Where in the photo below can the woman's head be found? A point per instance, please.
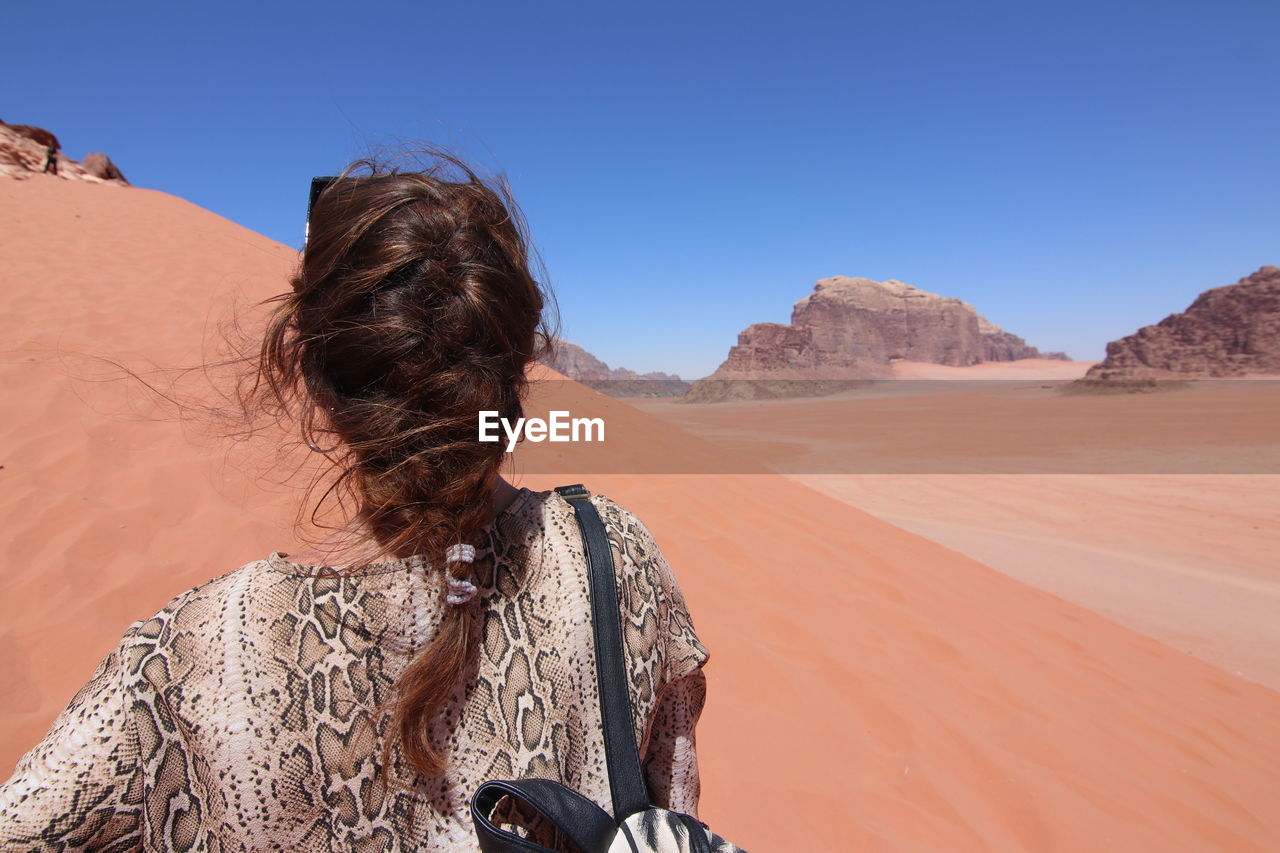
(413, 310)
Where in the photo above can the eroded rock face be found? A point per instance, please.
(24, 152)
(772, 348)
(1227, 331)
(858, 322)
(38, 135)
(856, 328)
(100, 166)
(578, 364)
(852, 329)
(999, 345)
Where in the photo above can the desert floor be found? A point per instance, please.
(1187, 558)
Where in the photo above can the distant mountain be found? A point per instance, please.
(578, 364)
(1227, 331)
(855, 328)
(999, 345)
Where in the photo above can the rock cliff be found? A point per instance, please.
(999, 345)
(578, 364)
(1227, 331)
(855, 328)
(101, 166)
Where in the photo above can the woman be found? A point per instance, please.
(297, 704)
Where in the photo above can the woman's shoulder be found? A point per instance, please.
(631, 539)
(631, 535)
(197, 611)
(221, 587)
(615, 516)
(643, 564)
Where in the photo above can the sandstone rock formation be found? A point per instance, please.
(999, 345)
(38, 135)
(578, 364)
(24, 150)
(854, 329)
(1232, 330)
(100, 166)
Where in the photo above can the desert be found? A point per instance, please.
(910, 660)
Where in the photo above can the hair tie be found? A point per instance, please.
(460, 554)
(461, 590)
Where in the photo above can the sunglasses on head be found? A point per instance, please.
(318, 185)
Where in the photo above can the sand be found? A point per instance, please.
(983, 426)
(869, 688)
(1187, 559)
(110, 505)
(1023, 368)
(1184, 556)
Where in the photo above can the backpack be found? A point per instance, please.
(636, 825)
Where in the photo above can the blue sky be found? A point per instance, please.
(1074, 170)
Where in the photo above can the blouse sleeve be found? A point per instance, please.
(80, 787)
(671, 760)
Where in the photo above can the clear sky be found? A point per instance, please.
(1073, 169)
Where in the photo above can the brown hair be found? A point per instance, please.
(413, 309)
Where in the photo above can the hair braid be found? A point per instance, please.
(413, 310)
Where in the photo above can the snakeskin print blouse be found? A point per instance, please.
(244, 715)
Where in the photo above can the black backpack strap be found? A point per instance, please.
(626, 779)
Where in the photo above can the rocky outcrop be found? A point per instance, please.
(999, 345)
(856, 328)
(100, 166)
(774, 349)
(578, 364)
(865, 324)
(24, 151)
(38, 135)
(1232, 330)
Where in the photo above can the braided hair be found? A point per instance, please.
(413, 309)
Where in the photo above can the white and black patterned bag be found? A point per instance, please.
(639, 827)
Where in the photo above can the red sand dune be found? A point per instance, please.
(1023, 368)
(869, 689)
(1189, 559)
